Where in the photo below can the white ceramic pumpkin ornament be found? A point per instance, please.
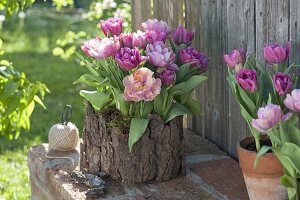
(63, 136)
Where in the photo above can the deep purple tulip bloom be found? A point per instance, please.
(159, 54)
(282, 83)
(128, 58)
(100, 48)
(167, 77)
(293, 101)
(198, 58)
(268, 117)
(235, 57)
(246, 78)
(275, 54)
(111, 26)
(183, 36)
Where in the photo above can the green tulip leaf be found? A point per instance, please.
(264, 149)
(176, 110)
(137, 129)
(96, 98)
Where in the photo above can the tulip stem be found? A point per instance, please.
(257, 143)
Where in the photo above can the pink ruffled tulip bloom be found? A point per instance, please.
(235, 57)
(156, 30)
(246, 78)
(141, 85)
(167, 77)
(275, 54)
(159, 54)
(136, 39)
(128, 58)
(293, 101)
(100, 48)
(183, 36)
(111, 26)
(268, 117)
(282, 83)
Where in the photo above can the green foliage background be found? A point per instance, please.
(29, 42)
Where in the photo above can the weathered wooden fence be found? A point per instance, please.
(221, 25)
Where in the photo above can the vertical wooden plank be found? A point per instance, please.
(190, 18)
(140, 12)
(213, 94)
(295, 32)
(158, 11)
(178, 18)
(272, 23)
(241, 34)
(136, 16)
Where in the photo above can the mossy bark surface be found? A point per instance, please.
(156, 156)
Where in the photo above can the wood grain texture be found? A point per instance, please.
(241, 34)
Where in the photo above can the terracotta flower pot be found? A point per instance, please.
(263, 182)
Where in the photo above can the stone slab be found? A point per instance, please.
(224, 176)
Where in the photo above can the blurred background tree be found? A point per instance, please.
(40, 41)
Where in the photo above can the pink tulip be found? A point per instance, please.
(183, 36)
(111, 26)
(101, 48)
(235, 57)
(136, 39)
(156, 30)
(293, 101)
(128, 58)
(268, 117)
(247, 79)
(141, 85)
(275, 54)
(159, 54)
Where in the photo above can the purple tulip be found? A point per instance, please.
(101, 48)
(268, 117)
(111, 26)
(172, 67)
(282, 83)
(167, 77)
(293, 101)
(156, 30)
(128, 58)
(275, 54)
(159, 54)
(198, 58)
(235, 57)
(246, 78)
(183, 36)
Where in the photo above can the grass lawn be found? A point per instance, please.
(28, 43)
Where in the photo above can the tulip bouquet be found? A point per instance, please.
(254, 84)
(141, 73)
(268, 107)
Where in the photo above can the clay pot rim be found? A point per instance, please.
(251, 138)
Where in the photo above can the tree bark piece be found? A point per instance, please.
(156, 156)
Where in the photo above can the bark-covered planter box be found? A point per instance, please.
(156, 156)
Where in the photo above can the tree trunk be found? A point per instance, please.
(156, 156)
